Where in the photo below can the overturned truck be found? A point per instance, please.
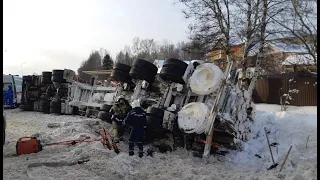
(193, 105)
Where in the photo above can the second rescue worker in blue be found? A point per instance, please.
(137, 119)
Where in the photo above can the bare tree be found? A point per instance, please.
(168, 50)
(211, 22)
(299, 19)
(124, 58)
(145, 49)
(247, 24)
(191, 51)
(91, 64)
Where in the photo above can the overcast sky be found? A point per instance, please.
(41, 35)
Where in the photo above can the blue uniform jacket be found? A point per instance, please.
(137, 119)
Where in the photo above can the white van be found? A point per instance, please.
(16, 82)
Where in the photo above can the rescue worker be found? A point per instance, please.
(137, 119)
(119, 111)
(10, 96)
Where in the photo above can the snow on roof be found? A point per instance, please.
(282, 47)
(299, 59)
(295, 48)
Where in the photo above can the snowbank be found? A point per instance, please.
(286, 128)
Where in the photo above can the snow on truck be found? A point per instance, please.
(192, 104)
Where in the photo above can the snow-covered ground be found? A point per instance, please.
(290, 128)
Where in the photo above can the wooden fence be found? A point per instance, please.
(269, 89)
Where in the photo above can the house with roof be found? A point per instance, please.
(281, 55)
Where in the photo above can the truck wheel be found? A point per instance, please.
(141, 64)
(143, 70)
(120, 76)
(120, 72)
(168, 74)
(88, 112)
(55, 107)
(155, 112)
(154, 123)
(210, 75)
(57, 72)
(45, 106)
(27, 78)
(104, 116)
(57, 79)
(46, 74)
(172, 62)
(26, 107)
(173, 70)
(105, 107)
(122, 67)
(75, 110)
(46, 80)
(142, 74)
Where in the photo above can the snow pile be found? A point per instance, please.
(206, 79)
(291, 128)
(286, 128)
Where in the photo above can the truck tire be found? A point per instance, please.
(121, 67)
(88, 112)
(143, 70)
(155, 112)
(27, 78)
(46, 80)
(173, 70)
(55, 107)
(45, 106)
(143, 64)
(104, 116)
(169, 74)
(154, 123)
(75, 110)
(137, 73)
(120, 76)
(26, 107)
(57, 72)
(211, 76)
(142, 74)
(57, 79)
(105, 107)
(172, 62)
(46, 74)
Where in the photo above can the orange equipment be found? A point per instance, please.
(27, 145)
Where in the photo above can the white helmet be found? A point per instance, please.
(120, 97)
(135, 103)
